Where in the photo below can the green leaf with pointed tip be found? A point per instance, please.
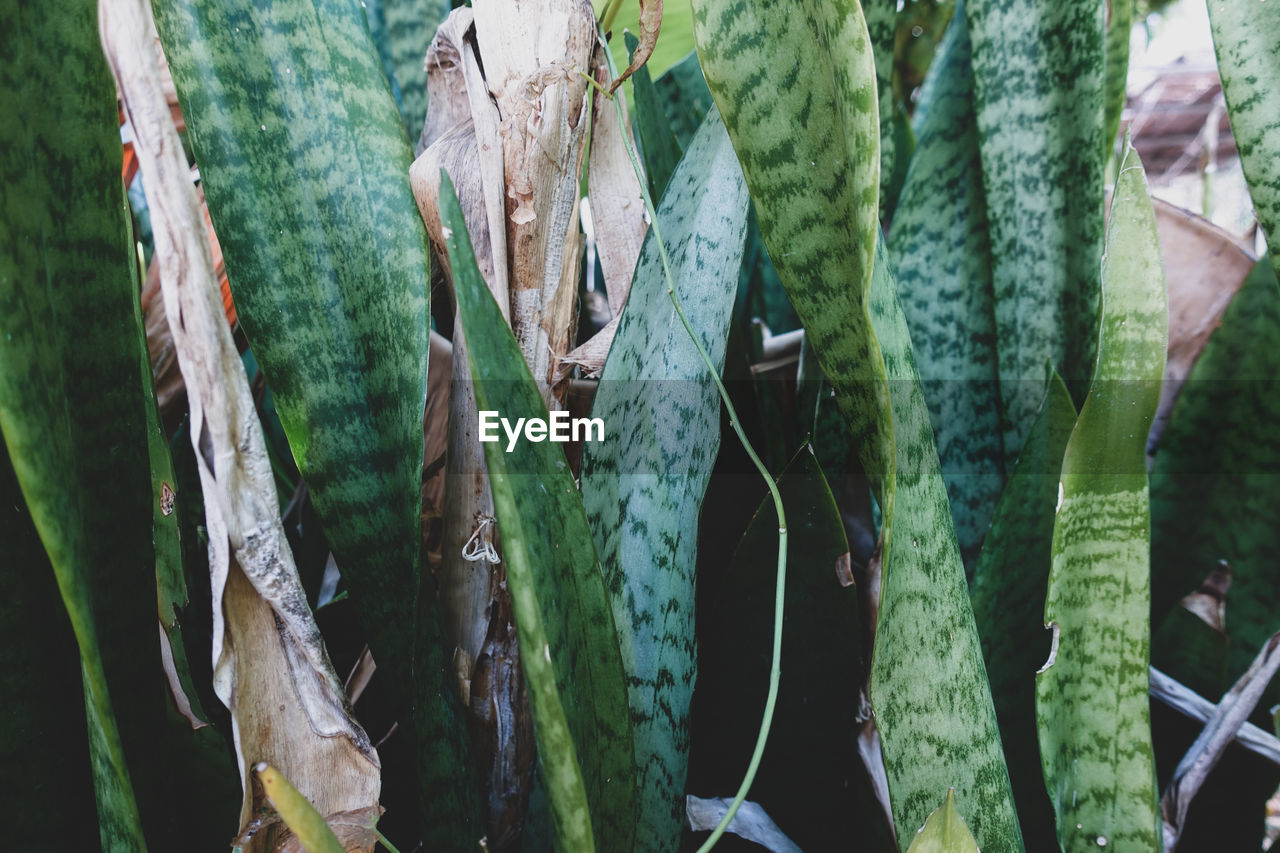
(1039, 75)
(71, 397)
(928, 685)
(796, 84)
(642, 486)
(1119, 27)
(1092, 706)
(944, 831)
(1245, 36)
(305, 168)
(1008, 592)
(942, 264)
(685, 97)
(563, 618)
(661, 150)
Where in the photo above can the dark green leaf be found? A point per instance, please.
(71, 399)
(685, 97)
(661, 151)
(643, 485)
(1119, 27)
(1091, 696)
(564, 622)
(411, 25)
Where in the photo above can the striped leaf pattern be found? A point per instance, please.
(928, 686)
(942, 263)
(1008, 594)
(643, 486)
(1039, 72)
(71, 396)
(796, 84)
(1245, 36)
(564, 622)
(305, 166)
(1091, 697)
(1214, 484)
(1119, 27)
(882, 27)
(411, 25)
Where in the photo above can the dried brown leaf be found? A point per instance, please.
(270, 667)
(650, 25)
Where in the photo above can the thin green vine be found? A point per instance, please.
(775, 671)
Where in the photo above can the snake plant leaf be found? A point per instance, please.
(1119, 27)
(1214, 489)
(305, 167)
(661, 150)
(944, 831)
(1039, 73)
(882, 27)
(810, 780)
(643, 485)
(796, 84)
(928, 685)
(563, 618)
(1008, 592)
(411, 25)
(71, 398)
(43, 742)
(942, 261)
(685, 97)
(1217, 462)
(1092, 707)
(1245, 37)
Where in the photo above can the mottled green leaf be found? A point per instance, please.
(1039, 72)
(643, 485)
(305, 168)
(1091, 695)
(795, 82)
(411, 25)
(71, 397)
(942, 263)
(661, 150)
(882, 26)
(565, 626)
(1245, 35)
(944, 831)
(1215, 486)
(928, 686)
(811, 780)
(685, 97)
(1008, 594)
(1215, 483)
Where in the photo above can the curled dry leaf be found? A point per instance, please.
(270, 665)
(617, 199)
(650, 24)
